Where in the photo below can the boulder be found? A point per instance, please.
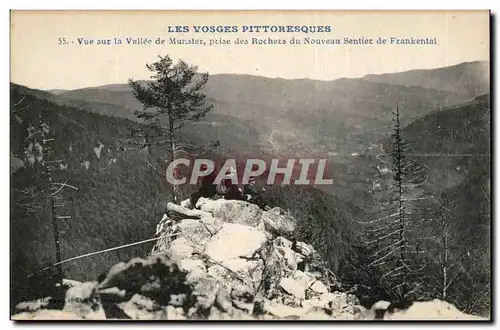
(180, 248)
(289, 256)
(297, 284)
(318, 287)
(293, 287)
(242, 300)
(314, 302)
(213, 225)
(70, 283)
(433, 310)
(34, 305)
(202, 201)
(82, 299)
(164, 222)
(177, 212)
(223, 299)
(173, 313)
(249, 271)
(189, 265)
(141, 308)
(205, 290)
(230, 279)
(303, 278)
(155, 277)
(234, 241)
(195, 232)
(282, 311)
(340, 302)
(165, 231)
(47, 315)
(282, 242)
(232, 211)
(239, 266)
(274, 269)
(277, 221)
(305, 249)
(187, 204)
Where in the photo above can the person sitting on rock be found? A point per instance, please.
(253, 194)
(207, 188)
(227, 189)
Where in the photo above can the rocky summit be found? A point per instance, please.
(218, 260)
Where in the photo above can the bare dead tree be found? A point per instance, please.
(446, 258)
(393, 235)
(446, 265)
(54, 188)
(37, 149)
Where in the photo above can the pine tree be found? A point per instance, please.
(394, 236)
(173, 98)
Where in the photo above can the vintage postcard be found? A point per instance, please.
(250, 165)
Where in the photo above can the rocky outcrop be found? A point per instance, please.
(239, 212)
(222, 260)
(278, 222)
(432, 310)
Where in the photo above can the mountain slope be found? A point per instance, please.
(293, 117)
(278, 97)
(469, 79)
(118, 199)
(453, 146)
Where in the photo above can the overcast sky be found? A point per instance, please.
(37, 60)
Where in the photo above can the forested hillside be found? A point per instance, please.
(451, 201)
(455, 146)
(121, 197)
(120, 192)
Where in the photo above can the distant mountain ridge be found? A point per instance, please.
(277, 96)
(476, 74)
(302, 115)
(469, 78)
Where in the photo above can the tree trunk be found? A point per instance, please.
(51, 187)
(175, 188)
(445, 260)
(147, 143)
(401, 215)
